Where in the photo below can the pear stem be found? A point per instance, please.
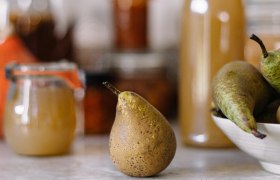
(258, 134)
(259, 41)
(111, 88)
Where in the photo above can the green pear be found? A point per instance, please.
(240, 92)
(142, 142)
(270, 64)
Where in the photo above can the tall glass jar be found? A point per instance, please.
(212, 35)
(41, 108)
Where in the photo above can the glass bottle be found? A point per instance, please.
(212, 35)
(41, 108)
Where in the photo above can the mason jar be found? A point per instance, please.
(41, 108)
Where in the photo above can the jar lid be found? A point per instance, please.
(138, 61)
(66, 71)
(43, 67)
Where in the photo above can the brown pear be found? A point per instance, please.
(142, 142)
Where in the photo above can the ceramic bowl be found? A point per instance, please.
(266, 150)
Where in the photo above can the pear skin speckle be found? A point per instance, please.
(270, 68)
(270, 64)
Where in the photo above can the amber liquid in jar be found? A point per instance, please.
(130, 24)
(213, 34)
(99, 104)
(40, 120)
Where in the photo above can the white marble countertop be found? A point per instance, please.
(90, 159)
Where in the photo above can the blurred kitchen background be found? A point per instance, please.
(134, 44)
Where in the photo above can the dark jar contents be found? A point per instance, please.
(130, 24)
(45, 28)
(147, 75)
(99, 104)
(39, 34)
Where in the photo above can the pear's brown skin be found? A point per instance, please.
(240, 91)
(142, 142)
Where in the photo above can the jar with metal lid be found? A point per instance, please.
(147, 74)
(41, 109)
(99, 103)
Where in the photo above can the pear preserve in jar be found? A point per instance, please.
(40, 114)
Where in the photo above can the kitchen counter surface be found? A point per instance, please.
(89, 159)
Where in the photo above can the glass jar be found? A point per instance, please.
(100, 104)
(265, 24)
(212, 35)
(11, 49)
(147, 74)
(41, 111)
(130, 24)
(44, 27)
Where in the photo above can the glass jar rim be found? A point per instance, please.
(43, 66)
(68, 71)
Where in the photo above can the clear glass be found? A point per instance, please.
(212, 35)
(41, 109)
(11, 49)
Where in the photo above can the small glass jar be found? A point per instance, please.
(147, 74)
(99, 104)
(41, 109)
